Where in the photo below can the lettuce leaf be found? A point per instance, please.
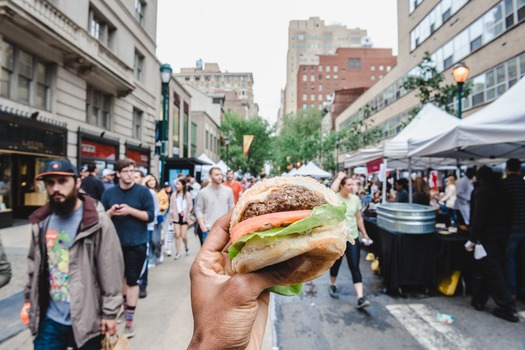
(324, 215)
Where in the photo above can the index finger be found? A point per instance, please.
(219, 235)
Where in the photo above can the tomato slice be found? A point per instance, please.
(262, 222)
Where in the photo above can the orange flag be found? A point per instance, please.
(247, 141)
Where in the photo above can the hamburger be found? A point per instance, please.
(283, 217)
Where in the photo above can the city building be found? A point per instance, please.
(193, 129)
(236, 89)
(348, 68)
(488, 36)
(307, 39)
(78, 81)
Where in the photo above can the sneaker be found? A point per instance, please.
(187, 252)
(161, 258)
(150, 266)
(143, 293)
(477, 306)
(177, 256)
(168, 253)
(507, 315)
(129, 332)
(362, 303)
(334, 292)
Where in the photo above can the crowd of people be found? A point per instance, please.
(95, 240)
(486, 205)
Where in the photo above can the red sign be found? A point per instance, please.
(137, 156)
(93, 149)
(374, 165)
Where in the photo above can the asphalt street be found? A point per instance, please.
(312, 320)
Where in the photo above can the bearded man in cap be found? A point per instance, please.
(75, 266)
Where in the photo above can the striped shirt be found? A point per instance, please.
(514, 186)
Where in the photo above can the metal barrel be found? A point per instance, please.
(406, 218)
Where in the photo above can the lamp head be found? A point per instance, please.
(165, 73)
(226, 140)
(460, 72)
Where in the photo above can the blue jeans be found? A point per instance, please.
(204, 235)
(55, 336)
(515, 248)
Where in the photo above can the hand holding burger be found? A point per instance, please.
(230, 311)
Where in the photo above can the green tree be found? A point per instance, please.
(299, 140)
(429, 83)
(235, 127)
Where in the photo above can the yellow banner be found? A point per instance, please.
(247, 141)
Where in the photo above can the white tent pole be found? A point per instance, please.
(410, 180)
(383, 194)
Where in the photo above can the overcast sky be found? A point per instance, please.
(251, 35)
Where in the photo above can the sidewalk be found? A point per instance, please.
(163, 319)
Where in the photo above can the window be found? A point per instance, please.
(355, 64)
(138, 66)
(136, 127)
(193, 138)
(101, 29)
(305, 78)
(98, 105)
(24, 78)
(336, 77)
(305, 98)
(320, 88)
(327, 77)
(373, 68)
(207, 141)
(140, 8)
(327, 68)
(335, 68)
(312, 97)
(381, 68)
(320, 68)
(312, 77)
(320, 97)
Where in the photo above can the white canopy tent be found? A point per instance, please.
(427, 124)
(311, 169)
(205, 168)
(494, 132)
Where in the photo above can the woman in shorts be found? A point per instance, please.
(181, 207)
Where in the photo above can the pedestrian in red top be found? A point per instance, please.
(235, 185)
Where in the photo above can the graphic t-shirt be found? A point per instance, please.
(60, 235)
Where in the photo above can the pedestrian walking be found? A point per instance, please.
(489, 224)
(235, 185)
(155, 246)
(5, 267)
(344, 186)
(108, 178)
(514, 187)
(91, 184)
(213, 201)
(464, 188)
(75, 266)
(180, 211)
(131, 208)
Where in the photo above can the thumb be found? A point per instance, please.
(279, 274)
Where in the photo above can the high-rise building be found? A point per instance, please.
(76, 81)
(488, 36)
(236, 89)
(307, 39)
(348, 68)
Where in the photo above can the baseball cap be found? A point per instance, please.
(107, 172)
(58, 167)
(166, 184)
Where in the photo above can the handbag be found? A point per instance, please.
(160, 218)
(192, 219)
(115, 342)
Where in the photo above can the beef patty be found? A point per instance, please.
(288, 198)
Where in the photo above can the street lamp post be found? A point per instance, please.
(227, 143)
(337, 141)
(165, 77)
(460, 73)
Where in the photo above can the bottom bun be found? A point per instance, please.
(321, 248)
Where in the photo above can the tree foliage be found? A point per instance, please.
(235, 127)
(429, 83)
(300, 139)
